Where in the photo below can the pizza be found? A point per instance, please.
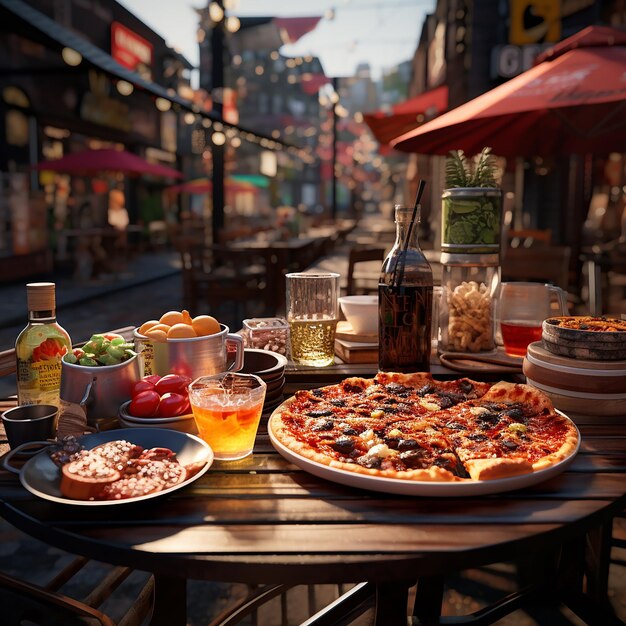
(589, 323)
(413, 427)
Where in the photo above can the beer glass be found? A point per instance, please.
(312, 313)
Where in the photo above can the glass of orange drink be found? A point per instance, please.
(227, 409)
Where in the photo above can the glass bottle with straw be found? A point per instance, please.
(405, 293)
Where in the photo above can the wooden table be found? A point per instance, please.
(289, 255)
(264, 520)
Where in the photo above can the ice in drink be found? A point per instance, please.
(227, 409)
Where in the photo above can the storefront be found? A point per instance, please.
(58, 99)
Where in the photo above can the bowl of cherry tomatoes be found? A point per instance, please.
(159, 402)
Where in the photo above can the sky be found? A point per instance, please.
(382, 33)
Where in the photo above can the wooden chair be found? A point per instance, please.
(528, 238)
(24, 602)
(363, 282)
(548, 264)
(227, 282)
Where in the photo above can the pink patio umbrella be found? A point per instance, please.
(89, 162)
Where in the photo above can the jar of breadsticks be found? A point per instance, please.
(466, 311)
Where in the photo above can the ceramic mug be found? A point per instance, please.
(30, 423)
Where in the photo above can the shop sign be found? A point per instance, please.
(534, 21)
(508, 61)
(131, 50)
(99, 108)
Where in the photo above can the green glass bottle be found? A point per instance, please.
(40, 347)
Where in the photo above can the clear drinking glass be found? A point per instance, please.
(227, 409)
(522, 307)
(312, 313)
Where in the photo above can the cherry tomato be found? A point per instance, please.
(111, 336)
(144, 404)
(173, 383)
(142, 385)
(153, 378)
(173, 404)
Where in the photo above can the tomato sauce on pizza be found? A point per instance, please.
(413, 427)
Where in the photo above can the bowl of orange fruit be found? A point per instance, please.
(178, 343)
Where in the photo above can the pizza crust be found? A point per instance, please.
(492, 469)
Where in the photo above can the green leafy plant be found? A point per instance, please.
(462, 171)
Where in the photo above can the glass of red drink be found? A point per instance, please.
(227, 409)
(522, 307)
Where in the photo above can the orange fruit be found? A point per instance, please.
(156, 334)
(181, 331)
(172, 317)
(205, 325)
(163, 327)
(186, 317)
(147, 326)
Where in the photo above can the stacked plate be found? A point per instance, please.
(183, 423)
(576, 385)
(270, 367)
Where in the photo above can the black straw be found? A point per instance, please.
(418, 197)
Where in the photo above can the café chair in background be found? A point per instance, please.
(228, 283)
(24, 602)
(362, 280)
(528, 238)
(548, 264)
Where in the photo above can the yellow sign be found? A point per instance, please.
(534, 21)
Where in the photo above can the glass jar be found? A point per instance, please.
(267, 333)
(470, 220)
(469, 285)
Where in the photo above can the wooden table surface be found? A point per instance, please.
(264, 520)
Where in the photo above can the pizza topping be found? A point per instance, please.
(320, 413)
(345, 445)
(322, 425)
(516, 427)
(376, 413)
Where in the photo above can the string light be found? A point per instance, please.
(71, 56)
(124, 87)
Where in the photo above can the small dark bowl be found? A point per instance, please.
(263, 363)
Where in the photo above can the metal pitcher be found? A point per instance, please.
(198, 356)
(100, 390)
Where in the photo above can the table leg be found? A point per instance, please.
(428, 600)
(597, 560)
(170, 601)
(391, 604)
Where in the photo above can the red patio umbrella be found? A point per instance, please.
(571, 102)
(107, 160)
(404, 116)
(204, 185)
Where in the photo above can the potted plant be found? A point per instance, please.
(472, 205)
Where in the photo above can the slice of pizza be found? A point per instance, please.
(513, 429)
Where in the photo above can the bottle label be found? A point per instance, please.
(39, 376)
(405, 321)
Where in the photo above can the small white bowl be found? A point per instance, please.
(361, 313)
(182, 423)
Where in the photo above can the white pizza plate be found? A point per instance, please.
(419, 488)
(42, 477)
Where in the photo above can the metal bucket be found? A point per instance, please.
(198, 356)
(99, 390)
